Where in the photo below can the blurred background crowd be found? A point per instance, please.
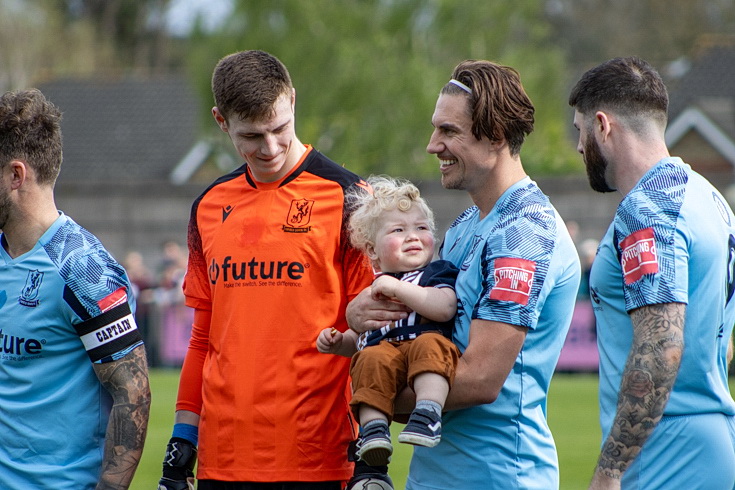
(162, 316)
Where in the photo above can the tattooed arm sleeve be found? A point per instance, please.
(650, 372)
(127, 381)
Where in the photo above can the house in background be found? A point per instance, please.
(126, 177)
(123, 139)
(701, 126)
(124, 130)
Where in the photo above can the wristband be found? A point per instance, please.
(188, 432)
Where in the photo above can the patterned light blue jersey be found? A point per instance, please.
(63, 306)
(672, 240)
(519, 266)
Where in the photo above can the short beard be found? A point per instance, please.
(596, 165)
(5, 205)
(456, 184)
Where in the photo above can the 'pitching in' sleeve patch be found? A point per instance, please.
(513, 280)
(638, 255)
(109, 333)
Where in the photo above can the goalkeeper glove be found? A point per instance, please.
(178, 465)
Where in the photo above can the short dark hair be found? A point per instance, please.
(627, 86)
(30, 131)
(500, 107)
(248, 84)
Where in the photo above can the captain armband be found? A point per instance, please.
(109, 333)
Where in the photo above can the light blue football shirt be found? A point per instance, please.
(518, 265)
(63, 306)
(673, 237)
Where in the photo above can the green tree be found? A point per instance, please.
(135, 29)
(367, 72)
(42, 39)
(35, 45)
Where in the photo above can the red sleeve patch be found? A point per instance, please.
(638, 255)
(116, 298)
(513, 280)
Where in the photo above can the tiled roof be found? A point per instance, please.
(124, 130)
(709, 81)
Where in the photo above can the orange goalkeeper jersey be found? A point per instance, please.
(273, 264)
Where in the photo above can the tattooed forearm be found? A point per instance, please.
(127, 382)
(650, 372)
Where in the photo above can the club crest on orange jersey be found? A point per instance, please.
(299, 215)
(638, 255)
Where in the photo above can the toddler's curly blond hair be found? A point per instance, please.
(388, 194)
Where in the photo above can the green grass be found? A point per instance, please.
(164, 386)
(572, 416)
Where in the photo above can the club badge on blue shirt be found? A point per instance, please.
(29, 294)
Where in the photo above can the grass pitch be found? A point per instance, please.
(572, 410)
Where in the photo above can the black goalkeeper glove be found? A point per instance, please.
(178, 465)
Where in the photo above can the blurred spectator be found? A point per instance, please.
(173, 263)
(142, 281)
(573, 228)
(580, 346)
(138, 273)
(587, 251)
(175, 318)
